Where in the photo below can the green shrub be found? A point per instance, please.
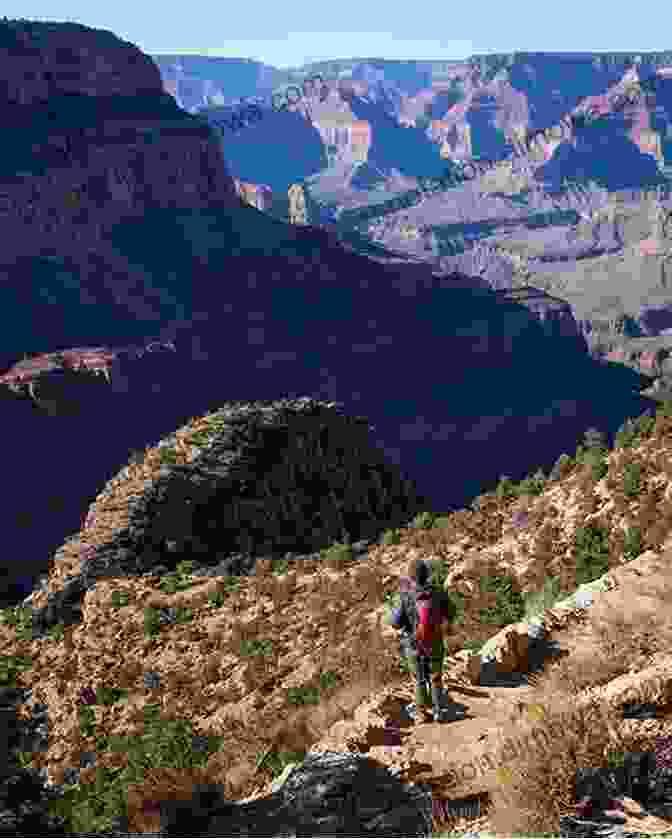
(256, 646)
(21, 618)
(184, 614)
(633, 430)
(509, 608)
(534, 485)
(109, 696)
(87, 720)
(310, 694)
(328, 680)
(645, 424)
(10, 665)
(92, 807)
(338, 551)
(391, 537)
(276, 761)
(151, 623)
(632, 474)
(599, 469)
(24, 759)
(627, 435)
(615, 760)
(56, 632)
(167, 456)
(505, 488)
(119, 598)
(439, 572)
(173, 582)
(457, 599)
(423, 521)
(592, 553)
(632, 547)
(178, 580)
(537, 602)
(474, 647)
(280, 566)
(200, 439)
(217, 598)
(185, 567)
(596, 458)
(664, 409)
(303, 696)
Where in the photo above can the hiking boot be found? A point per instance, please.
(426, 715)
(437, 695)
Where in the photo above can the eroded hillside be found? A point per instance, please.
(236, 657)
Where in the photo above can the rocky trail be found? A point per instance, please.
(457, 757)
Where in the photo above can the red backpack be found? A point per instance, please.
(428, 621)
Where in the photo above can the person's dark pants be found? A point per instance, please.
(428, 673)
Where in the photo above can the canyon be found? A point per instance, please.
(178, 364)
(571, 155)
(127, 220)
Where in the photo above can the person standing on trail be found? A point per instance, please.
(420, 618)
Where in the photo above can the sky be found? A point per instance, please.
(296, 32)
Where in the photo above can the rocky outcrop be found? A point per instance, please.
(555, 315)
(297, 204)
(54, 380)
(328, 794)
(196, 81)
(348, 139)
(257, 195)
(24, 797)
(276, 477)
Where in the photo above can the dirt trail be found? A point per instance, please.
(452, 756)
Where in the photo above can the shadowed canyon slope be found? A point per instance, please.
(121, 226)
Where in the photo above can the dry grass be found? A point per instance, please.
(325, 618)
(318, 622)
(563, 735)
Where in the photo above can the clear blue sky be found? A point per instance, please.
(288, 34)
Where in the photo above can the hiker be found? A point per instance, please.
(420, 619)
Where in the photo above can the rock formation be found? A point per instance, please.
(276, 478)
(257, 195)
(48, 378)
(554, 315)
(297, 204)
(371, 802)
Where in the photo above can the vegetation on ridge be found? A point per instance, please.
(163, 756)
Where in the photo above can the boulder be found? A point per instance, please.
(505, 653)
(328, 794)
